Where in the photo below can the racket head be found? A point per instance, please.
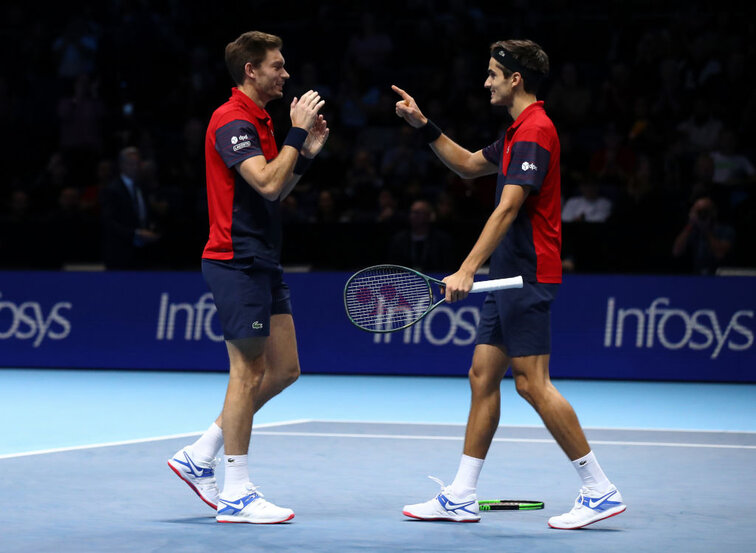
(509, 505)
(388, 298)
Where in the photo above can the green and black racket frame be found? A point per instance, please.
(509, 505)
(387, 298)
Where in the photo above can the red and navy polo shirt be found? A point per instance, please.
(528, 155)
(243, 224)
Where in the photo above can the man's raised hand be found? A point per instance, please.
(408, 110)
(304, 111)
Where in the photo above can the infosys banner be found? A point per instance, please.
(610, 327)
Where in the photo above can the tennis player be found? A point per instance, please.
(247, 177)
(522, 236)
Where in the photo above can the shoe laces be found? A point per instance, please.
(444, 487)
(251, 488)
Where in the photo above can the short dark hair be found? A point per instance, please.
(531, 56)
(250, 47)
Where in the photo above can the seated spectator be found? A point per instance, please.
(587, 207)
(569, 98)
(422, 246)
(404, 159)
(704, 241)
(702, 129)
(614, 162)
(730, 167)
(388, 212)
(126, 219)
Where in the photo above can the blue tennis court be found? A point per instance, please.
(84, 454)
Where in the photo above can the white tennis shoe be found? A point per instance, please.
(445, 506)
(251, 508)
(590, 506)
(198, 474)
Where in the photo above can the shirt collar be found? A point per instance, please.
(238, 96)
(127, 181)
(527, 112)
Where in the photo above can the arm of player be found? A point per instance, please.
(459, 284)
(464, 163)
(270, 179)
(314, 143)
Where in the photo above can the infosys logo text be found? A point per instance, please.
(674, 328)
(444, 325)
(30, 321)
(192, 321)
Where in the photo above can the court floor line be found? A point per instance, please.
(536, 426)
(136, 441)
(515, 440)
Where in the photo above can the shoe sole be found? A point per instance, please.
(408, 514)
(624, 508)
(242, 520)
(192, 486)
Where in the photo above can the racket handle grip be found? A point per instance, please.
(497, 284)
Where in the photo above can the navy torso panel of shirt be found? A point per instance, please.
(255, 221)
(516, 254)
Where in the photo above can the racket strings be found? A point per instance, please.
(386, 299)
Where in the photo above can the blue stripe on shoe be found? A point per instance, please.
(196, 471)
(453, 507)
(235, 507)
(600, 504)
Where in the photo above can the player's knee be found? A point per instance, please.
(525, 388)
(291, 375)
(246, 381)
(481, 381)
(531, 390)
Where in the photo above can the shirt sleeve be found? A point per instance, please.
(493, 152)
(528, 164)
(237, 141)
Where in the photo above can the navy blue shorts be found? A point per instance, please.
(246, 294)
(518, 319)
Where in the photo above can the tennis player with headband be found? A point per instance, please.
(521, 237)
(247, 177)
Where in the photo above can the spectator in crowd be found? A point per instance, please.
(422, 246)
(701, 130)
(81, 118)
(403, 160)
(327, 210)
(569, 98)
(589, 206)
(703, 241)
(126, 220)
(18, 227)
(731, 168)
(74, 230)
(388, 212)
(613, 163)
(362, 184)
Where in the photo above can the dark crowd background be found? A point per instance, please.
(654, 103)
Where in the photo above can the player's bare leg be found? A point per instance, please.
(458, 502)
(533, 383)
(281, 362)
(598, 498)
(240, 501)
(246, 374)
(489, 365)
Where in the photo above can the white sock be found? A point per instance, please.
(208, 445)
(237, 475)
(590, 472)
(466, 481)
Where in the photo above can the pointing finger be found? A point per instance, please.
(402, 93)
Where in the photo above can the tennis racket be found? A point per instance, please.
(509, 505)
(387, 298)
